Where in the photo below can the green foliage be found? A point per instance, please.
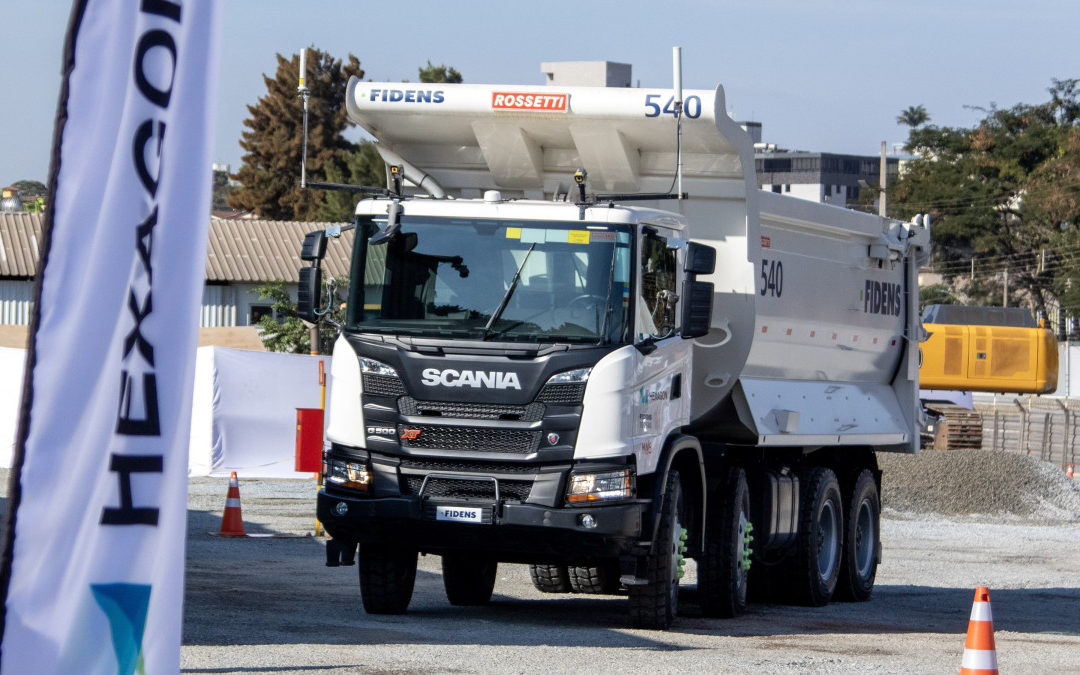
(440, 73)
(913, 116)
(936, 294)
(221, 189)
(285, 331)
(363, 167)
(31, 188)
(999, 192)
(270, 174)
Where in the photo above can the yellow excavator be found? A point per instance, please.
(989, 349)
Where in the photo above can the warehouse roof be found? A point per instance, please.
(251, 251)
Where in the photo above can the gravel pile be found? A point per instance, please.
(977, 482)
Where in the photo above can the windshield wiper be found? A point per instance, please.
(506, 297)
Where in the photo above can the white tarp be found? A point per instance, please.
(244, 416)
(93, 565)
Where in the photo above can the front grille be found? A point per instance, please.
(383, 385)
(470, 439)
(562, 394)
(452, 488)
(534, 412)
(452, 466)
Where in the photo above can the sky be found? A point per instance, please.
(819, 75)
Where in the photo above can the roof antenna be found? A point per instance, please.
(676, 66)
(304, 94)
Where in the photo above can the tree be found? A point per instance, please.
(220, 191)
(914, 116)
(284, 331)
(363, 167)
(31, 188)
(440, 73)
(270, 174)
(999, 193)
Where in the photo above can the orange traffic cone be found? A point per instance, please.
(980, 656)
(232, 523)
(1069, 471)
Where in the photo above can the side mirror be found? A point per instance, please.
(700, 259)
(314, 247)
(697, 308)
(307, 296)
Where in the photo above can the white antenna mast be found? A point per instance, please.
(305, 94)
(676, 58)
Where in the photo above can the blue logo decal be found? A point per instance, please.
(404, 95)
(125, 605)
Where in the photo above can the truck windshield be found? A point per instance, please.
(450, 277)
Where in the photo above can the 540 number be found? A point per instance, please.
(691, 106)
(772, 278)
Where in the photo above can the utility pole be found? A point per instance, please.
(884, 166)
(1005, 292)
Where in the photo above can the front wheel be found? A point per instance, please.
(468, 579)
(656, 603)
(724, 566)
(862, 538)
(387, 576)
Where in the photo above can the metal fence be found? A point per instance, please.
(1041, 426)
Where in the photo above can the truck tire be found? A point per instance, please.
(468, 579)
(862, 537)
(655, 604)
(723, 570)
(600, 580)
(550, 578)
(387, 575)
(815, 569)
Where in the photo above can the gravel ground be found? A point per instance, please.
(952, 521)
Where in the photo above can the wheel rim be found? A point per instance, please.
(864, 539)
(827, 540)
(676, 563)
(740, 553)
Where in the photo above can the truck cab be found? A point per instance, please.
(507, 378)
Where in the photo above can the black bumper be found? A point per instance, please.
(515, 532)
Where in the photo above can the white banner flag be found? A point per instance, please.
(93, 563)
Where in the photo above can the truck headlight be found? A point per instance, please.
(578, 376)
(352, 475)
(590, 487)
(373, 367)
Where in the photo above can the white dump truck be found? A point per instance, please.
(579, 337)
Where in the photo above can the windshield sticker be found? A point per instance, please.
(532, 235)
(556, 236)
(623, 237)
(578, 236)
(513, 233)
(602, 236)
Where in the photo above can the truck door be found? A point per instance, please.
(663, 363)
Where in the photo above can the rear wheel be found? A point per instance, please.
(602, 579)
(387, 575)
(862, 538)
(468, 579)
(550, 578)
(816, 567)
(724, 566)
(656, 603)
